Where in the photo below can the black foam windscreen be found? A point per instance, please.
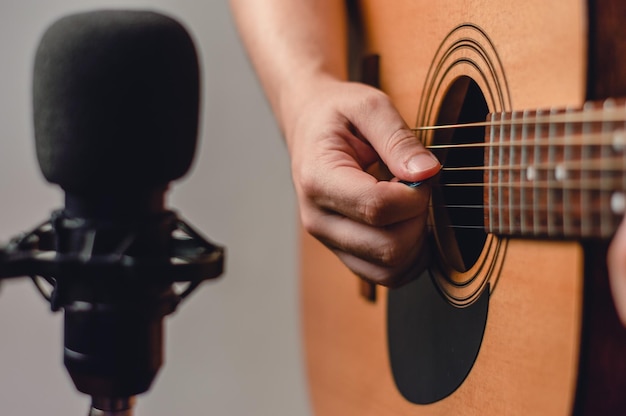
(115, 97)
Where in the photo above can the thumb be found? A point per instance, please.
(406, 157)
(381, 125)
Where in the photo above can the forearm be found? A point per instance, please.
(294, 45)
(334, 131)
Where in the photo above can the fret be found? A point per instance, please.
(586, 219)
(501, 153)
(524, 164)
(606, 223)
(617, 199)
(591, 185)
(569, 226)
(556, 173)
(533, 175)
(551, 175)
(513, 209)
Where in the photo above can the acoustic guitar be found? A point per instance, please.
(514, 316)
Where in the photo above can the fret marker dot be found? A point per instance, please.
(531, 173)
(619, 140)
(618, 203)
(560, 173)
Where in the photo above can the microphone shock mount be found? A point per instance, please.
(115, 279)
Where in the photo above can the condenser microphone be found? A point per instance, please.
(115, 99)
(116, 104)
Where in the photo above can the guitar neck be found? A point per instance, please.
(556, 173)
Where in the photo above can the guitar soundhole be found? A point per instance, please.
(458, 194)
(436, 323)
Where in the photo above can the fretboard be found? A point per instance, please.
(556, 173)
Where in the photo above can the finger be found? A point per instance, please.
(385, 276)
(396, 144)
(400, 261)
(616, 261)
(390, 247)
(357, 195)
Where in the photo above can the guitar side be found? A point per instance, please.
(529, 359)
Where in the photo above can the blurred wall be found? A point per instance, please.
(234, 347)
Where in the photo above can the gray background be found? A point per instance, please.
(234, 347)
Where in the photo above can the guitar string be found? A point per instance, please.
(594, 164)
(597, 165)
(543, 210)
(540, 208)
(616, 139)
(600, 115)
(606, 139)
(587, 185)
(599, 185)
(535, 230)
(515, 207)
(516, 229)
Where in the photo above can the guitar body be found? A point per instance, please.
(548, 340)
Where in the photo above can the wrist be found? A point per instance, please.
(301, 95)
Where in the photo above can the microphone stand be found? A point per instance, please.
(112, 407)
(114, 272)
(115, 100)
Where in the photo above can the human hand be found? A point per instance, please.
(616, 261)
(376, 227)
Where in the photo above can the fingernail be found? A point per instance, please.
(422, 162)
